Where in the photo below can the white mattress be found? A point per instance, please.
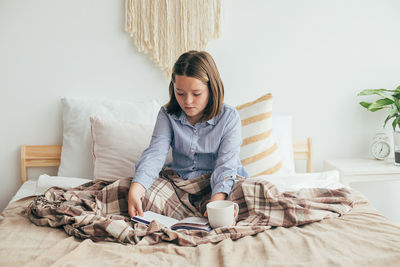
(38, 187)
(27, 189)
(289, 182)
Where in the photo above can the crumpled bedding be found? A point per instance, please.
(98, 210)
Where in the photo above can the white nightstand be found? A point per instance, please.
(364, 169)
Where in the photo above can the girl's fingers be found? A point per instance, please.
(131, 210)
(139, 208)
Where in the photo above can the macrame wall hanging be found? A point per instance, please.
(164, 29)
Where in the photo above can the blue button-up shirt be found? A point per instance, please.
(207, 147)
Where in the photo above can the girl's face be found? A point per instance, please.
(192, 96)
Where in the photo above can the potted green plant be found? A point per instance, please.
(390, 100)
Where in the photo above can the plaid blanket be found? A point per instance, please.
(98, 210)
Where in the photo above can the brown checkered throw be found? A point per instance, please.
(98, 210)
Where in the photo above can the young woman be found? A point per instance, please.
(203, 132)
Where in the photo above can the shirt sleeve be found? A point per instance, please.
(228, 161)
(153, 158)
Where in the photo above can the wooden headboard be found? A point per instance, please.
(303, 150)
(50, 155)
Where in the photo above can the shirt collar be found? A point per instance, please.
(213, 120)
(183, 119)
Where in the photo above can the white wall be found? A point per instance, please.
(313, 55)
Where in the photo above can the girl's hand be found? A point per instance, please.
(217, 196)
(135, 195)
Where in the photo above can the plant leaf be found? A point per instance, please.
(374, 109)
(381, 92)
(381, 103)
(393, 110)
(397, 104)
(385, 101)
(396, 122)
(398, 88)
(365, 104)
(391, 115)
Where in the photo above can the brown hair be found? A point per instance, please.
(199, 65)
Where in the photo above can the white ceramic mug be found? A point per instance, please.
(221, 213)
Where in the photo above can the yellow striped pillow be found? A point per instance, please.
(259, 151)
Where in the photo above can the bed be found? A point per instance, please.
(361, 237)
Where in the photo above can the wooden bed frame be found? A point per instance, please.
(50, 156)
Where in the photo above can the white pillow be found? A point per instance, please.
(259, 151)
(45, 182)
(76, 157)
(117, 146)
(283, 134)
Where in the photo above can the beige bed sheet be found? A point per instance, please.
(362, 237)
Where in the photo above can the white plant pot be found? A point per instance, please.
(396, 144)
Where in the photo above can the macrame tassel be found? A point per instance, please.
(164, 29)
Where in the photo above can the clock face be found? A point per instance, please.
(380, 149)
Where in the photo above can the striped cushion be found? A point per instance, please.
(259, 151)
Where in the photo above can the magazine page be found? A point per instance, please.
(189, 223)
(193, 223)
(149, 216)
(195, 220)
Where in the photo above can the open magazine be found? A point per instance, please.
(189, 223)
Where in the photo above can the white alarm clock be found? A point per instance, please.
(380, 147)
